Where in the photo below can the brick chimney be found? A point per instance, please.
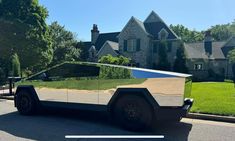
(94, 33)
(208, 42)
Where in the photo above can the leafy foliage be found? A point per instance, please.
(232, 28)
(109, 59)
(180, 61)
(64, 44)
(15, 65)
(231, 57)
(25, 32)
(83, 51)
(113, 72)
(221, 32)
(2, 76)
(187, 35)
(107, 72)
(163, 63)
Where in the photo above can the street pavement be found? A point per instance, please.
(49, 126)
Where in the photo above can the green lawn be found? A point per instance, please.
(214, 98)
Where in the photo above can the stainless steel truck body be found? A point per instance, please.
(135, 97)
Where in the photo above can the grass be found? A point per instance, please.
(214, 98)
(83, 84)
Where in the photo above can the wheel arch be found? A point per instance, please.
(120, 92)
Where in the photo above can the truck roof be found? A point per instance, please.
(145, 70)
(138, 72)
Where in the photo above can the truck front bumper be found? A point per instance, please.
(174, 113)
(188, 103)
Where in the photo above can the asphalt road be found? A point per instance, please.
(49, 126)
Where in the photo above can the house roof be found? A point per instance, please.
(154, 28)
(197, 50)
(87, 45)
(154, 24)
(103, 37)
(141, 24)
(113, 45)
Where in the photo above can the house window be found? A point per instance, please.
(138, 45)
(163, 34)
(131, 45)
(197, 66)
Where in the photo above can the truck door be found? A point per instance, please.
(52, 85)
(83, 87)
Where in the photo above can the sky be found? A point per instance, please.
(78, 16)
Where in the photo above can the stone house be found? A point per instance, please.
(137, 40)
(208, 60)
(140, 41)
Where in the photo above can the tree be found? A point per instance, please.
(163, 63)
(231, 57)
(2, 76)
(187, 35)
(180, 61)
(15, 65)
(221, 32)
(83, 51)
(64, 44)
(232, 28)
(25, 32)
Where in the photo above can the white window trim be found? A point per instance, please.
(198, 64)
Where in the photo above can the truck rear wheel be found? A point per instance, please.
(133, 112)
(25, 103)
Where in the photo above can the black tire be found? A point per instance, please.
(25, 103)
(133, 112)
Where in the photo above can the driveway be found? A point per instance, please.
(48, 126)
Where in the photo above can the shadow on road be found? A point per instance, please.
(55, 125)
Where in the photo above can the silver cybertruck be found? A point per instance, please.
(134, 97)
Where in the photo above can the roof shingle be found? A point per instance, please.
(197, 50)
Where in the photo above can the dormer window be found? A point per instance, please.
(92, 52)
(163, 34)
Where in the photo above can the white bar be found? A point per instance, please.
(114, 136)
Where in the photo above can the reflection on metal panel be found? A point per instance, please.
(96, 83)
(86, 91)
(146, 74)
(52, 94)
(166, 91)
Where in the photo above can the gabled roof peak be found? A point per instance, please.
(153, 17)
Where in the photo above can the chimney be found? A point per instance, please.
(208, 42)
(94, 33)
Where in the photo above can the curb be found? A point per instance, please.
(230, 119)
(7, 97)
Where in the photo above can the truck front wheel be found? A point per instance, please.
(25, 103)
(133, 112)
